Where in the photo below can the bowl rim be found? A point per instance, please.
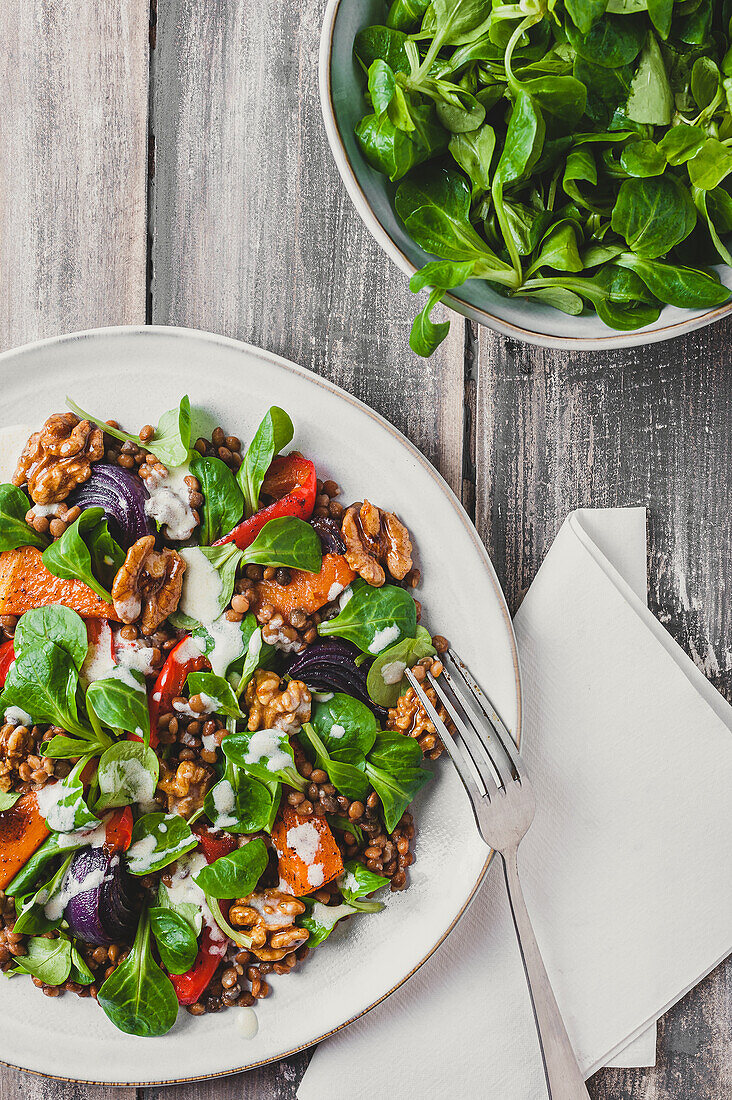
(185, 333)
(636, 338)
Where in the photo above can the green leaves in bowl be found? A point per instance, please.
(503, 125)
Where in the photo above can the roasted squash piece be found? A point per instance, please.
(308, 853)
(25, 583)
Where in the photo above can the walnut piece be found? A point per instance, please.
(59, 457)
(271, 707)
(269, 920)
(375, 539)
(185, 788)
(149, 583)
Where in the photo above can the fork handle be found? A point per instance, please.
(563, 1077)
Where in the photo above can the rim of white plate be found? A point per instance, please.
(636, 338)
(227, 341)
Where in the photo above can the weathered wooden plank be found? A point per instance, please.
(73, 167)
(73, 184)
(254, 235)
(557, 431)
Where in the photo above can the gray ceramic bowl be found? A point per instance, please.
(341, 97)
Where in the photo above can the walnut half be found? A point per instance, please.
(186, 787)
(59, 457)
(269, 919)
(271, 707)
(149, 583)
(375, 539)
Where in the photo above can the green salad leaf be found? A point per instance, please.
(223, 502)
(14, 531)
(171, 441)
(274, 433)
(234, 875)
(374, 618)
(86, 552)
(175, 939)
(138, 997)
(158, 839)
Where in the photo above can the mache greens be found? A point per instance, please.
(576, 153)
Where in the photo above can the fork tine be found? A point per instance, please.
(503, 735)
(475, 796)
(474, 743)
(501, 764)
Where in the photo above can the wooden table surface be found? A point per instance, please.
(165, 161)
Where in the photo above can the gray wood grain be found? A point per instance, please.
(73, 184)
(253, 235)
(73, 166)
(557, 431)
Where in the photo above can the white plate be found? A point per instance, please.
(133, 375)
(343, 105)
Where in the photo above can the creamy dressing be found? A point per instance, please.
(337, 731)
(334, 591)
(270, 914)
(304, 840)
(184, 709)
(322, 696)
(393, 671)
(384, 638)
(122, 673)
(246, 1021)
(99, 662)
(345, 597)
(264, 745)
(209, 742)
(141, 854)
(169, 504)
(349, 882)
(130, 776)
(18, 717)
(224, 801)
(316, 875)
(281, 641)
(328, 915)
(201, 593)
(226, 638)
(134, 656)
(187, 649)
(183, 890)
(45, 510)
(57, 817)
(93, 838)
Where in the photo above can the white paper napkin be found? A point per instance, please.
(626, 869)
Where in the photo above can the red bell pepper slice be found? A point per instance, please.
(189, 987)
(291, 481)
(7, 656)
(170, 683)
(118, 831)
(214, 845)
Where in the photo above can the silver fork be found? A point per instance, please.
(502, 799)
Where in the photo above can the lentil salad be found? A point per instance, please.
(222, 766)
